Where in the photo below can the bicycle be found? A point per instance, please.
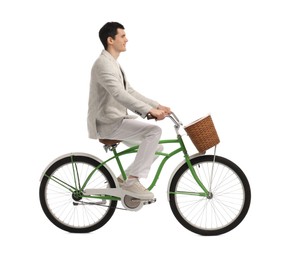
(208, 194)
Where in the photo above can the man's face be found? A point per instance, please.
(119, 43)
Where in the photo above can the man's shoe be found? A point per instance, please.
(135, 189)
(120, 180)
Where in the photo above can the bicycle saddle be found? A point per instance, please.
(109, 142)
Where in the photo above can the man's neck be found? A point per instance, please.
(113, 53)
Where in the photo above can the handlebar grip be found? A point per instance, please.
(149, 117)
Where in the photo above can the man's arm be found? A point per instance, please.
(115, 88)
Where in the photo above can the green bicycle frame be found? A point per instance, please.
(167, 156)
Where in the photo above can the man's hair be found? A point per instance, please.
(109, 30)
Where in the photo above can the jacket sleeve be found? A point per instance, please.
(128, 98)
(139, 96)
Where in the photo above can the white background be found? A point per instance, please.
(227, 58)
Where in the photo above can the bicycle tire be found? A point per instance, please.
(216, 215)
(60, 205)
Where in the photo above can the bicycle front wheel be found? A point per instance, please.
(227, 203)
(62, 200)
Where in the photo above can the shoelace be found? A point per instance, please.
(139, 185)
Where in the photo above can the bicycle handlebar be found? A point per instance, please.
(149, 117)
(172, 116)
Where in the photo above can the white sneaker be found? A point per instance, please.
(120, 181)
(135, 189)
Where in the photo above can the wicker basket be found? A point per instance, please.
(202, 133)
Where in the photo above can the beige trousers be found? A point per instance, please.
(134, 132)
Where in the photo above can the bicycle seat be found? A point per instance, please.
(109, 142)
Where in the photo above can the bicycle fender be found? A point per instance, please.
(177, 167)
(80, 154)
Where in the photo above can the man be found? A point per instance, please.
(110, 97)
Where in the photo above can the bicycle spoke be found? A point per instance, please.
(62, 196)
(216, 211)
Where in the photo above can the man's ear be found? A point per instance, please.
(110, 40)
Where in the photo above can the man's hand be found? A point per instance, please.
(166, 110)
(158, 113)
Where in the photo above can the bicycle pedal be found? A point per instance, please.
(149, 201)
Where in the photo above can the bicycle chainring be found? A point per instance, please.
(131, 202)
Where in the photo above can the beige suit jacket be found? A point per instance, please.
(109, 99)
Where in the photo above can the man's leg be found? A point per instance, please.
(145, 135)
(130, 168)
(148, 136)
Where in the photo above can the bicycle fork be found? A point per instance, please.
(205, 192)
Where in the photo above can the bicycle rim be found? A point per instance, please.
(227, 204)
(66, 208)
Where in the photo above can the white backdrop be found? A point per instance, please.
(227, 58)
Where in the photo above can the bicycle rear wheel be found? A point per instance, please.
(61, 198)
(229, 199)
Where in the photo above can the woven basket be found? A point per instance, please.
(203, 133)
